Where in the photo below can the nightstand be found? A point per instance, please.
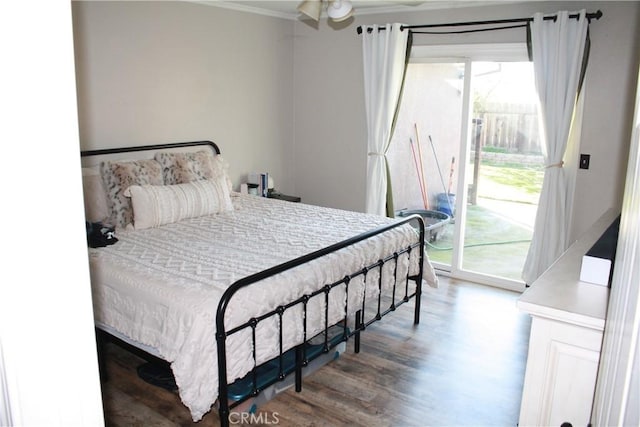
(280, 196)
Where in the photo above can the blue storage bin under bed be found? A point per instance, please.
(268, 372)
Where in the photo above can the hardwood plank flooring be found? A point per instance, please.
(462, 365)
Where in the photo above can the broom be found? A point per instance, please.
(425, 196)
(425, 201)
(440, 173)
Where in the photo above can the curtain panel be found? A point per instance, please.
(384, 57)
(558, 49)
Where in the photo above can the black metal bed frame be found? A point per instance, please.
(302, 358)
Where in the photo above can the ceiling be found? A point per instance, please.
(287, 8)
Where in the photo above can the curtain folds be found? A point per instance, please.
(558, 49)
(384, 59)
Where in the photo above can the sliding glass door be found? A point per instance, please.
(466, 156)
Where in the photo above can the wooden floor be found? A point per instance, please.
(462, 365)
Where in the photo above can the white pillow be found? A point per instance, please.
(155, 205)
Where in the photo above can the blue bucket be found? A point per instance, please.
(446, 204)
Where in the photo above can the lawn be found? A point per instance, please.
(512, 183)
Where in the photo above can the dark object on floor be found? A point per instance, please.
(158, 375)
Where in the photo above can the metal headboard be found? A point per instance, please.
(107, 151)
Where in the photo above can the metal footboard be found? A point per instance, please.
(301, 354)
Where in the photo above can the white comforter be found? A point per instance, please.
(161, 286)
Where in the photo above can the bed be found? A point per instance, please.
(235, 291)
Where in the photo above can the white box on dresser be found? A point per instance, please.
(568, 318)
(597, 263)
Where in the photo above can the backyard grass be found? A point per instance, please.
(510, 183)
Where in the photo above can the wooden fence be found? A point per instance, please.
(509, 127)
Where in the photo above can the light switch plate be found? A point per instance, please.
(584, 161)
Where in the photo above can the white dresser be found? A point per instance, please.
(568, 318)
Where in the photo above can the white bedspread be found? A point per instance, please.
(161, 286)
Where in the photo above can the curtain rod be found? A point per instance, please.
(595, 15)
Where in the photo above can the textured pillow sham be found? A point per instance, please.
(155, 205)
(118, 176)
(179, 168)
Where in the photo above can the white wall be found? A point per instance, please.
(48, 364)
(330, 130)
(160, 71)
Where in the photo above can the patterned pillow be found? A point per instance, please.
(155, 205)
(118, 176)
(179, 168)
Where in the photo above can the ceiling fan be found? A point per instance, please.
(340, 10)
(337, 10)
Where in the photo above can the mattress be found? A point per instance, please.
(161, 286)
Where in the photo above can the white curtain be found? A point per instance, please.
(384, 53)
(558, 49)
